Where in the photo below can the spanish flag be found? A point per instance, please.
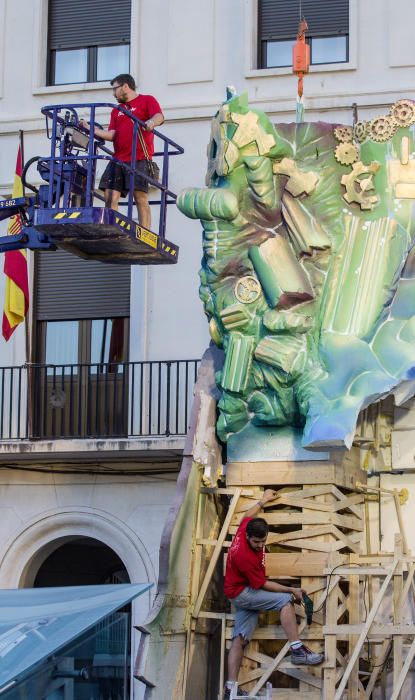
(16, 300)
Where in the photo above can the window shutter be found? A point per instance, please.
(80, 23)
(278, 19)
(67, 287)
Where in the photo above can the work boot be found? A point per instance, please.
(304, 655)
(241, 693)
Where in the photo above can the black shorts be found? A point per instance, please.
(116, 177)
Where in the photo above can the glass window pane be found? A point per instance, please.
(279, 53)
(112, 60)
(108, 342)
(62, 342)
(331, 49)
(71, 66)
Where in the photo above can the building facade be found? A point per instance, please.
(96, 487)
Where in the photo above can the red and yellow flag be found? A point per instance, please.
(16, 299)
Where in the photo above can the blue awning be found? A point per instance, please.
(36, 622)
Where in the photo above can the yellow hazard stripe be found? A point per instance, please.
(65, 215)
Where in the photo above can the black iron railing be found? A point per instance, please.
(137, 399)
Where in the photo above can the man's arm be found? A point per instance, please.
(103, 134)
(106, 135)
(268, 495)
(156, 120)
(278, 588)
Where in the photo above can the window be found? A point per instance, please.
(328, 31)
(88, 41)
(80, 381)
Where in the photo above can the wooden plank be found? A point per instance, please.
(354, 618)
(275, 538)
(291, 518)
(354, 509)
(272, 632)
(222, 653)
(216, 553)
(349, 502)
(363, 571)
(308, 678)
(404, 672)
(397, 608)
(312, 491)
(310, 472)
(295, 564)
(330, 651)
(376, 629)
(304, 503)
(352, 541)
(313, 545)
(362, 636)
(408, 584)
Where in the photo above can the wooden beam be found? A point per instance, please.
(397, 617)
(291, 517)
(216, 553)
(354, 617)
(404, 672)
(296, 564)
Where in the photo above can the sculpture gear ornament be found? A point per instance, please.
(346, 153)
(381, 128)
(344, 133)
(308, 268)
(247, 289)
(359, 185)
(360, 131)
(403, 112)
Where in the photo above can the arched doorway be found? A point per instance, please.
(96, 664)
(81, 561)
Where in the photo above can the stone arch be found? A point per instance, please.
(27, 550)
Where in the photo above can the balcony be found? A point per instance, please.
(113, 407)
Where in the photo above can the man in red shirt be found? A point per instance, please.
(115, 180)
(248, 588)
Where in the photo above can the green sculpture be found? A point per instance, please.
(308, 272)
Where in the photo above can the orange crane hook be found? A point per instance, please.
(301, 56)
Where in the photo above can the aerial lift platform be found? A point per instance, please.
(62, 213)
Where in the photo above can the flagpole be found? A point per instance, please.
(28, 349)
(26, 322)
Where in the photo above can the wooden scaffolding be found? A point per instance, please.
(317, 539)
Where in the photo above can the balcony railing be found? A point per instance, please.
(98, 400)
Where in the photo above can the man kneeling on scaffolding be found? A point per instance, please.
(251, 593)
(116, 179)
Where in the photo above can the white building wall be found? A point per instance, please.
(184, 52)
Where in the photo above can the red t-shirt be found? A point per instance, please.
(244, 566)
(143, 107)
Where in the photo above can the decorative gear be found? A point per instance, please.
(381, 128)
(403, 112)
(247, 289)
(360, 131)
(344, 133)
(359, 182)
(346, 153)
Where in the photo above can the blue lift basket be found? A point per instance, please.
(62, 212)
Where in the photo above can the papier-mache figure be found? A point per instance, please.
(308, 270)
